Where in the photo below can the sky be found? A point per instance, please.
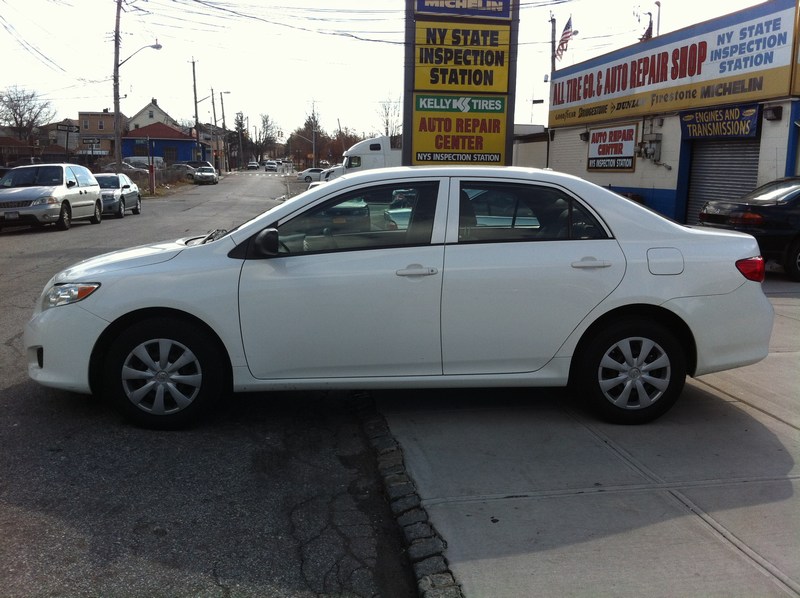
(285, 59)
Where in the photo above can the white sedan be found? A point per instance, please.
(501, 277)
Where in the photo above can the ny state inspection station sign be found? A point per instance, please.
(462, 79)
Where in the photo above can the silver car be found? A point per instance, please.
(49, 194)
(119, 193)
(206, 174)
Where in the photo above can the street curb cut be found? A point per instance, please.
(424, 545)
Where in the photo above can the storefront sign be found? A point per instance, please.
(458, 129)
(731, 121)
(455, 57)
(613, 148)
(482, 9)
(744, 56)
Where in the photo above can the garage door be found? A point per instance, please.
(721, 169)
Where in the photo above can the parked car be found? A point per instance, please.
(128, 168)
(271, 166)
(771, 213)
(603, 295)
(119, 194)
(252, 165)
(206, 175)
(183, 169)
(49, 194)
(309, 174)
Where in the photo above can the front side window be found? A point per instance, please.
(517, 212)
(373, 217)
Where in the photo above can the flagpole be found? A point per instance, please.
(552, 44)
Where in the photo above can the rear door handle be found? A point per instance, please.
(590, 262)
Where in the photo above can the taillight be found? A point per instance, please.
(746, 219)
(752, 268)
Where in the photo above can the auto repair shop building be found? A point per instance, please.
(707, 112)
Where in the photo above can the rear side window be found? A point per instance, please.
(518, 212)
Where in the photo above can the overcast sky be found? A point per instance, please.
(283, 58)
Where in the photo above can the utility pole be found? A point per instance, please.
(214, 150)
(227, 161)
(117, 117)
(196, 117)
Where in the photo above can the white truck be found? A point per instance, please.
(378, 152)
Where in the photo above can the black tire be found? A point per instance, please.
(143, 383)
(64, 217)
(137, 208)
(631, 372)
(97, 217)
(308, 179)
(121, 208)
(792, 264)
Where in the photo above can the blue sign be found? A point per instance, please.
(727, 122)
(482, 9)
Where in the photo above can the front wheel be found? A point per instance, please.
(162, 373)
(631, 372)
(121, 208)
(308, 179)
(97, 217)
(64, 217)
(137, 207)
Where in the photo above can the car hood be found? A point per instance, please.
(22, 193)
(124, 259)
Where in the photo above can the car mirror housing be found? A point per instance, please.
(266, 243)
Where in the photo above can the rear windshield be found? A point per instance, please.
(774, 192)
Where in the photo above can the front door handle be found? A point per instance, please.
(417, 270)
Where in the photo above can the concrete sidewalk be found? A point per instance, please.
(530, 497)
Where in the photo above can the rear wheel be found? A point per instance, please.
(631, 372)
(64, 217)
(792, 264)
(162, 373)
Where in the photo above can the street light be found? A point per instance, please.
(117, 116)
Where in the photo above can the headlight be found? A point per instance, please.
(45, 199)
(64, 294)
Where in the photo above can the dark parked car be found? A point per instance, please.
(771, 213)
(119, 193)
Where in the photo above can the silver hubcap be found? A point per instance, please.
(161, 376)
(634, 373)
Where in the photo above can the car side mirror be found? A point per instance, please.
(266, 243)
(71, 184)
(126, 187)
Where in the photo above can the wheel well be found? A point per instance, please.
(101, 348)
(654, 313)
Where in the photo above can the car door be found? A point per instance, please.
(83, 196)
(128, 191)
(524, 264)
(349, 296)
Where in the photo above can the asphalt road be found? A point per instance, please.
(277, 495)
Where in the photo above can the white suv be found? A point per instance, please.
(49, 194)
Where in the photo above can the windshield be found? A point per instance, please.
(35, 176)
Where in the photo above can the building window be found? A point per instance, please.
(85, 123)
(100, 125)
(150, 114)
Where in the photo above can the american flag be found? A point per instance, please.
(565, 37)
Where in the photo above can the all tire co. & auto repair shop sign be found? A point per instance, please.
(463, 80)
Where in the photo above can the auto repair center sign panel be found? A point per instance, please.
(462, 79)
(742, 57)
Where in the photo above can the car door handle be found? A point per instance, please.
(417, 270)
(590, 262)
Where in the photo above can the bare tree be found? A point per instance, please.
(391, 118)
(267, 137)
(23, 112)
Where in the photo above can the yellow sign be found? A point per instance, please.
(454, 129)
(459, 57)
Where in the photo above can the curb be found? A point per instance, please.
(424, 546)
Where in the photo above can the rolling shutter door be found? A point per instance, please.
(721, 169)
